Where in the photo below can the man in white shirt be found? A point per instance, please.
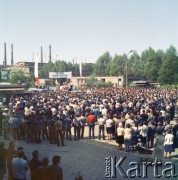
(101, 122)
(105, 113)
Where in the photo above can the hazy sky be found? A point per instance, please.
(85, 29)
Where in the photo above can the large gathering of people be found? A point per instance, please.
(129, 116)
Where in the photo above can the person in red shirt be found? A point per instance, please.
(91, 124)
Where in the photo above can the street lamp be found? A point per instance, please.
(126, 71)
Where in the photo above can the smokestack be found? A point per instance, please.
(5, 56)
(36, 70)
(50, 52)
(80, 67)
(41, 54)
(12, 55)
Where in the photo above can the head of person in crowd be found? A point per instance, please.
(120, 125)
(20, 154)
(45, 161)
(158, 124)
(19, 148)
(5, 110)
(11, 145)
(128, 125)
(56, 159)
(169, 131)
(35, 153)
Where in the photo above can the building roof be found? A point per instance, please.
(30, 64)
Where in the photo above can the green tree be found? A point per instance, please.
(17, 75)
(169, 69)
(102, 63)
(134, 65)
(87, 69)
(116, 67)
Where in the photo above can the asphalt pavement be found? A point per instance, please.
(87, 157)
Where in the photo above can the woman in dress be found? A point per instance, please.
(120, 136)
(109, 128)
(158, 151)
(127, 137)
(168, 144)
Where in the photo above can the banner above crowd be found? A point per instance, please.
(60, 74)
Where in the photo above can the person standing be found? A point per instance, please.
(2, 160)
(55, 171)
(151, 134)
(16, 127)
(158, 151)
(34, 164)
(44, 169)
(91, 123)
(68, 125)
(128, 137)
(175, 133)
(120, 135)
(82, 122)
(109, 127)
(20, 166)
(10, 154)
(143, 133)
(168, 144)
(5, 124)
(101, 123)
(58, 132)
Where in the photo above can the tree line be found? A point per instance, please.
(159, 65)
(154, 65)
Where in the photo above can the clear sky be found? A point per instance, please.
(85, 29)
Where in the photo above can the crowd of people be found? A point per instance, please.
(18, 165)
(128, 116)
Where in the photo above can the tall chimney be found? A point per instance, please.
(5, 56)
(41, 54)
(50, 52)
(12, 55)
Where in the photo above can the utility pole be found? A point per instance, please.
(41, 54)
(5, 56)
(50, 52)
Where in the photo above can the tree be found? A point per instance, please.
(169, 69)
(116, 67)
(102, 63)
(17, 75)
(134, 65)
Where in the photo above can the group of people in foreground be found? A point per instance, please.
(126, 115)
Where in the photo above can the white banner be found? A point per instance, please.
(60, 74)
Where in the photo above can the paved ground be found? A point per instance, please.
(87, 157)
